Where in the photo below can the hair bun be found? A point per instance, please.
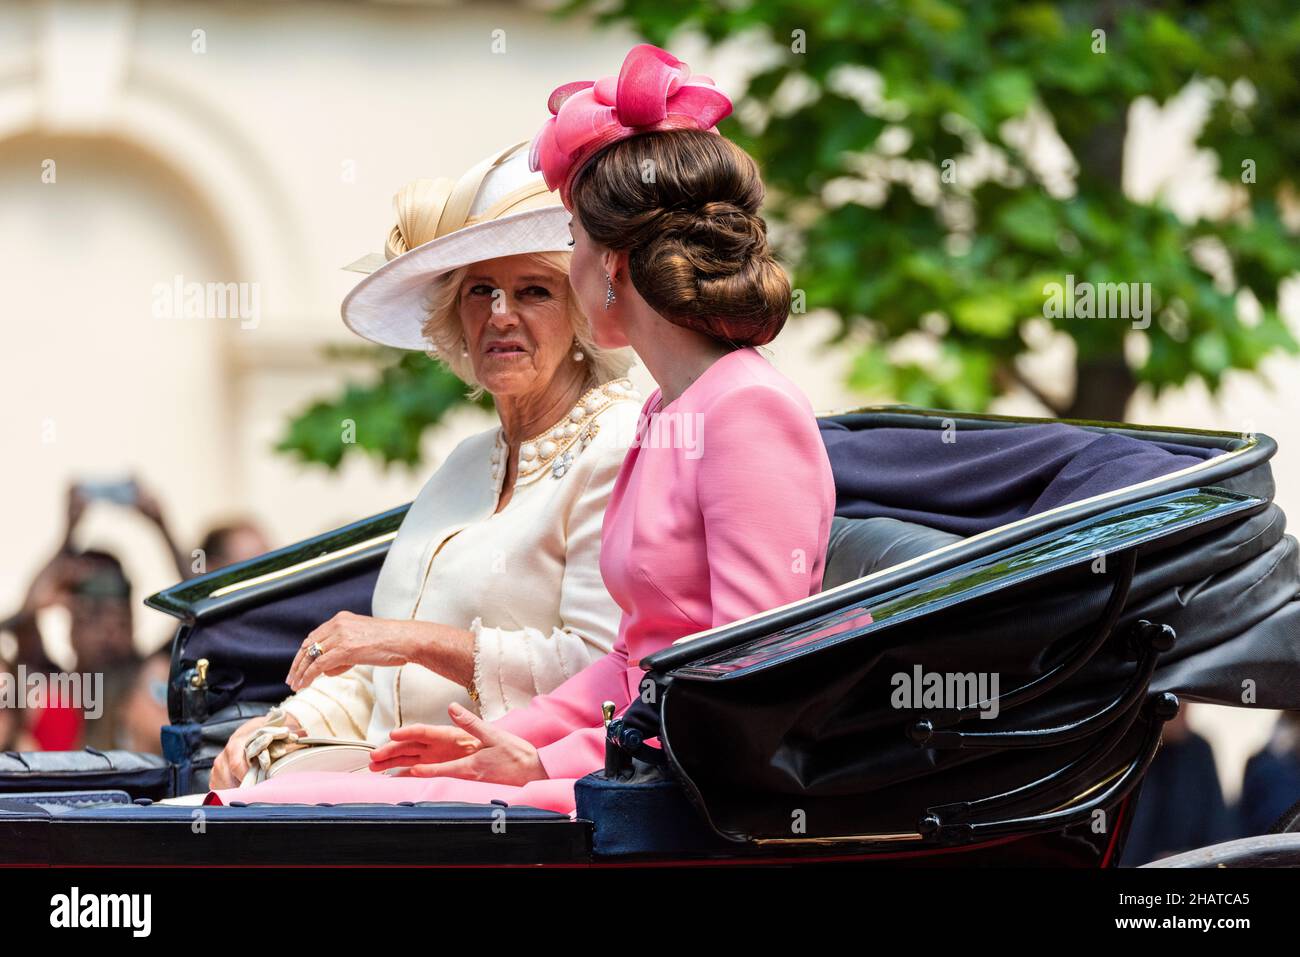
(704, 265)
(732, 232)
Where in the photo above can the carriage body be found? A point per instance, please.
(793, 735)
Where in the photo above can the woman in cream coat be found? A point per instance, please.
(491, 592)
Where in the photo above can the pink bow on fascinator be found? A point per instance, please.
(653, 91)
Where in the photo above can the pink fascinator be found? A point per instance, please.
(653, 91)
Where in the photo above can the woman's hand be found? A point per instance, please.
(231, 765)
(347, 640)
(423, 744)
(472, 749)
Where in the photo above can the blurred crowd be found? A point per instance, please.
(1182, 805)
(130, 686)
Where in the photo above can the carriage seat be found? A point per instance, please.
(860, 546)
(139, 774)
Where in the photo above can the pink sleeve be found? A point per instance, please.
(574, 704)
(574, 755)
(766, 498)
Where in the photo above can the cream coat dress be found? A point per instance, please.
(526, 580)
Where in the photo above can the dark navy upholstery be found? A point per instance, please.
(646, 814)
(980, 479)
(263, 639)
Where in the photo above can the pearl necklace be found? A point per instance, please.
(555, 449)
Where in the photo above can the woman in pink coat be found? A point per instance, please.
(723, 506)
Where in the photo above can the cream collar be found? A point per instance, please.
(553, 451)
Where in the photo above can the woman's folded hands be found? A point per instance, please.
(231, 764)
(468, 748)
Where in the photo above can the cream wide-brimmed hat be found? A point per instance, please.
(498, 208)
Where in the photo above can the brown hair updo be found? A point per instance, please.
(684, 205)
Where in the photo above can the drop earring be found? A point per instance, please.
(578, 354)
(464, 349)
(609, 291)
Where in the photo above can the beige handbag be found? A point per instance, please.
(276, 749)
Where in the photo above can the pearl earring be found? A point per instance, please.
(609, 291)
(464, 349)
(579, 355)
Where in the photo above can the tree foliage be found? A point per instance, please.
(384, 418)
(907, 204)
(966, 266)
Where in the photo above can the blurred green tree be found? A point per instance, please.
(384, 418)
(902, 144)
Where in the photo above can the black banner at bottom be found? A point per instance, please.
(285, 908)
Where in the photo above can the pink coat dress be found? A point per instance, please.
(721, 510)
